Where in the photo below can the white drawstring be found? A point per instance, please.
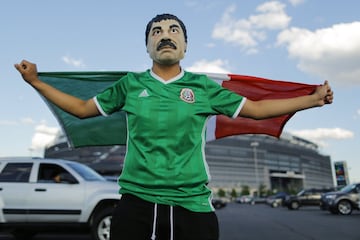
(171, 223)
(153, 236)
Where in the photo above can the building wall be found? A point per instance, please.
(285, 163)
(279, 164)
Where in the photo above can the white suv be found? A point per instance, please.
(38, 195)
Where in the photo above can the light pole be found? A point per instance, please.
(254, 145)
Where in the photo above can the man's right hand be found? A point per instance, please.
(28, 71)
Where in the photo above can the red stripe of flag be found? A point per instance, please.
(256, 88)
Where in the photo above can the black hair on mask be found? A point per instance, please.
(159, 18)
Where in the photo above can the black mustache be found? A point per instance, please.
(166, 42)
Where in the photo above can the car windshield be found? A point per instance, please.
(348, 188)
(301, 193)
(86, 172)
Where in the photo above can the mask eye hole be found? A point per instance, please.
(174, 30)
(156, 32)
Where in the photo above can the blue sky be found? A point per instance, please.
(293, 40)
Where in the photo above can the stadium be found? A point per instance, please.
(278, 164)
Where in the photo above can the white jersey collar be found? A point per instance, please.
(177, 77)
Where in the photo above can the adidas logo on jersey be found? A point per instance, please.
(144, 93)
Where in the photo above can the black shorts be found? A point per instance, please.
(136, 219)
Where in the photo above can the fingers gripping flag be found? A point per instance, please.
(112, 130)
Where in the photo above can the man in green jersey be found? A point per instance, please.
(165, 175)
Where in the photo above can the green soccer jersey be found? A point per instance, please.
(166, 121)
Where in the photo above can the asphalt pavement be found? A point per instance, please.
(260, 222)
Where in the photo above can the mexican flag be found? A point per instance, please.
(111, 130)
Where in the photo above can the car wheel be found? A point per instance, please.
(294, 205)
(217, 205)
(101, 225)
(274, 204)
(344, 207)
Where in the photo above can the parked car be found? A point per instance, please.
(257, 200)
(250, 200)
(218, 203)
(342, 202)
(31, 201)
(277, 199)
(306, 197)
(244, 199)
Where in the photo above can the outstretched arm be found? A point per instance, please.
(73, 105)
(276, 107)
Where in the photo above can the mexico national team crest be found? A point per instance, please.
(187, 95)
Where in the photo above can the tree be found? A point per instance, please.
(221, 192)
(262, 190)
(233, 193)
(245, 190)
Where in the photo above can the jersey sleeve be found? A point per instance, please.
(112, 98)
(224, 101)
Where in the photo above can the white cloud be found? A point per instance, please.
(331, 53)
(325, 133)
(7, 123)
(271, 16)
(320, 136)
(357, 114)
(216, 66)
(247, 33)
(210, 45)
(42, 137)
(200, 5)
(27, 121)
(296, 2)
(73, 62)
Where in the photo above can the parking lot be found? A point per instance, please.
(253, 222)
(263, 222)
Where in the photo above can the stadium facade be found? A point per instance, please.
(287, 163)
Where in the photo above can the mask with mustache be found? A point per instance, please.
(165, 37)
